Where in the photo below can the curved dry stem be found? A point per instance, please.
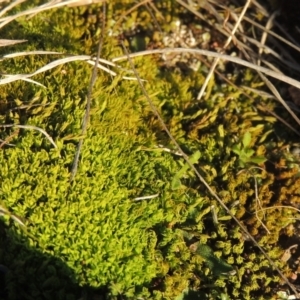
(8, 78)
(270, 32)
(279, 206)
(32, 11)
(5, 212)
(236, 60)
(34, 128)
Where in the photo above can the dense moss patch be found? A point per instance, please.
(94, 230)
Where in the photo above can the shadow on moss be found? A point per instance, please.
(27, 273)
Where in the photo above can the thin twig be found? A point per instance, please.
(89, 99)
(265, 35)
(258, 203)
(273, 89)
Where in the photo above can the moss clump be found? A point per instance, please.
(93, 224)
(176, 243)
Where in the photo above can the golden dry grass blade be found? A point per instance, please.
(33, 81)
(4, 42)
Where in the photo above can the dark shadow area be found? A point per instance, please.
(28, 274)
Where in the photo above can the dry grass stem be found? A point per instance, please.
(10, 6)
(8, 78)
(280, 206)
(5, 212)
(84, 2)
(216, 61)
(4, 43)
(22, 54)
(273, 89)
(257, 200)
(34, 128)
(236, 60)
(86, 117)
(264, 36)
(146, 197)
(33, 11)
(258, 204)
(272, 33)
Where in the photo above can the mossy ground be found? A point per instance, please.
(91, 233)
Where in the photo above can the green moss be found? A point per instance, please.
(160, 248)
